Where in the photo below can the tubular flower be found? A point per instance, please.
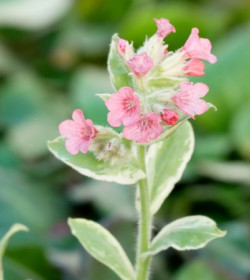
(164, 27)
(124, 107)
(197, 47)
(124, 49)
(122, 46)
(194, 67)
(147, 128)
(169, 117)
(188, 98)
(79, 133)
(140, 64)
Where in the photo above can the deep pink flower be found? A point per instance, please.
(147, 128)
(194, 67)
(169, 117)
(188, 98)
(124, 107)
(140, 64)
(164, 27)
(79, 133)
(197, 47)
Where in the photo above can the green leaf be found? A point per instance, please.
(103, 246)
(104, 96)
(4, 242)
(119, 75)
(166, 162)
(160, 83)
(88, 165)
(189, 233)
(198, 269)
(124, 232)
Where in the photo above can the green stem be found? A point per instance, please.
(145, 220)
(1, 271)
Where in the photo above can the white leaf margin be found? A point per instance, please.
(156, 204)
(170, 228)
(5, 240)
(112, 240)
(130, 179)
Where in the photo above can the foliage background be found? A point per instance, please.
(52, 60)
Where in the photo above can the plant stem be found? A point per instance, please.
(145, 220)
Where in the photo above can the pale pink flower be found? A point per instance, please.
(169, 117)
(188, 98)
(197, 47)
(122, 45)
(79, 133)
(164, 27)
(124, 107)
(194, 67)
(140, 64)
(147, 128)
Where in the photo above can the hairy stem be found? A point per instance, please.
(145, 220)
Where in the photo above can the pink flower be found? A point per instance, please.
(169, 117)
(147, 128)
(124, 107)
(188, 99)
(164, 27)
(140, 64)
(197, 47)
(194, 67)
(122, 46)
(79, 132)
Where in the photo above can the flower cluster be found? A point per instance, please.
(162, 94)
(159, 95)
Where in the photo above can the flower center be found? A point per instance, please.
(145, 124)
(86, 133)
(129, 105)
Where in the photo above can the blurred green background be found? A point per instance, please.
(52, 60)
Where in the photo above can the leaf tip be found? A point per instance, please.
(19, 227)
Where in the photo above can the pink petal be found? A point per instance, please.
(147, 128)
(197, 47)
(78, 116)
(194, 67)
(169, 117)
(200, 89)
(73, 146)
(79, 132)
(85, 146)
(131, 132)
(188, 98)
(124, 107)
(140, 64)
(164, 27)
(114, 119)
(69, 128)
(122, 46)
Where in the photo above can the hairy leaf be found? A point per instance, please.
(166, 161)
(88, 165)
(119, 75)
(102, 246)
(189, 233)
(4, 242)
